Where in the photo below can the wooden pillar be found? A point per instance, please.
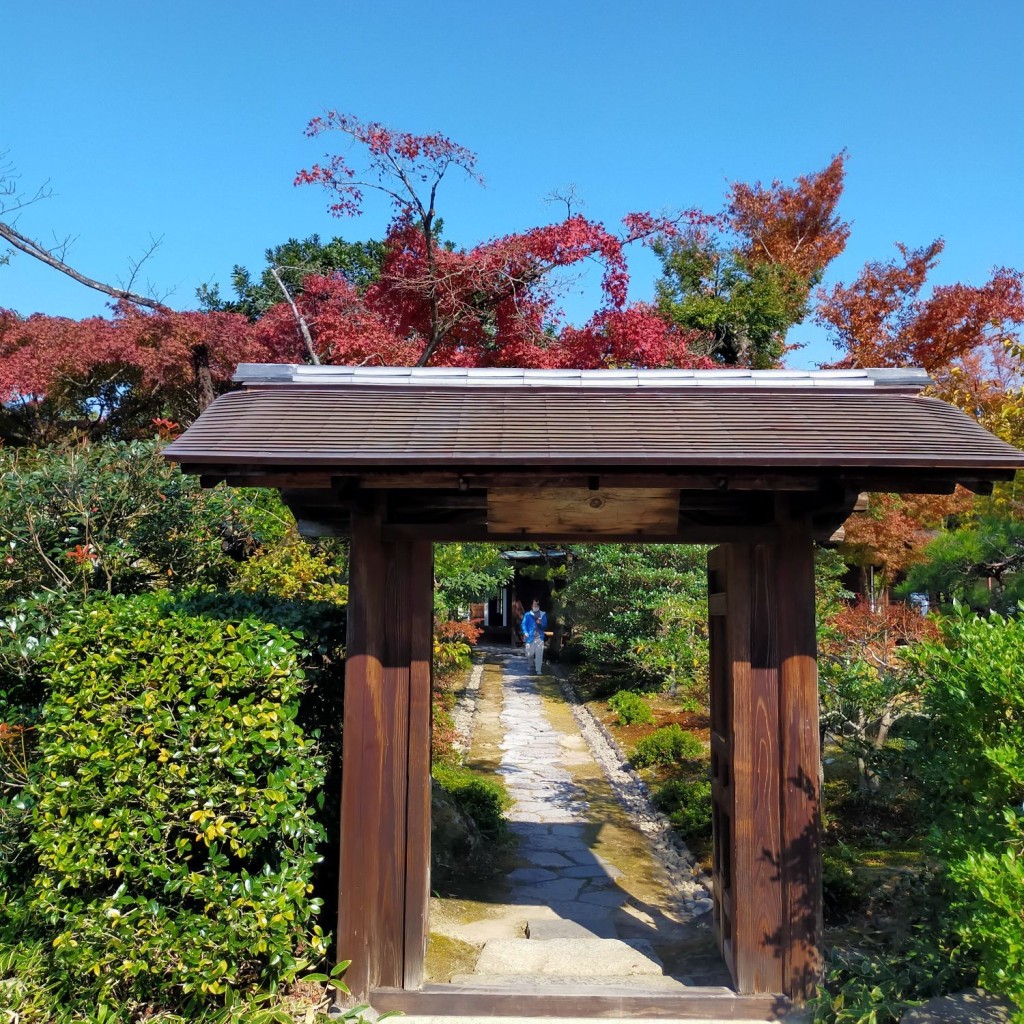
(765, 764)
(385, 799)
(801, 767)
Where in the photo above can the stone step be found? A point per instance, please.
(587, 928)
(477, 1019)
(570, 983)
(586, 958)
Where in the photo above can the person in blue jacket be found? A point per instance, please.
(534, 623)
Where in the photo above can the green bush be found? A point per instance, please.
(118, 518)
(482, 799)
(842, 891)
(292, 569)
(688, 806)
(666, 746)
(876, 986)
(632, 708)
(169, 814)
(642, 610)
(908, 954)
(973, 772)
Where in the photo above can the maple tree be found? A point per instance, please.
(490, 304)
(892, 533)
(742, 278)
(967, 337)
(114, 376)
(792, 226)
(881, 319)
(866, 687)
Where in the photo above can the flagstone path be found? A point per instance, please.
(585, 900)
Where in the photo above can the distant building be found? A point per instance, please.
(524, 586)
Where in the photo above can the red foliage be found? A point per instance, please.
(395, 161)
(80, 554)
(489, 305)
(794, 225)
(39, 352)
(893, 532)
(345, 329)
(636, 336)
(166, 429)
(881, 320)
(452, 630)
(961, 334)
(876, 633)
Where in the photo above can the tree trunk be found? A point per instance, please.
(202, 376)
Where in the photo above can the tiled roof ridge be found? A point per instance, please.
(902, 378)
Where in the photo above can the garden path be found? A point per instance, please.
(583, 900)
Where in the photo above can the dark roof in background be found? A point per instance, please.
(782, 420)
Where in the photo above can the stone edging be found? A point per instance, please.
(465, 708)
(692, 884)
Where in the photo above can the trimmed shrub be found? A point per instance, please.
(632, 708)
(170, 816)
(688, 806)
(668, 745)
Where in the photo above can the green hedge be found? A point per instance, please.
(666, 746)
(481, 798)
(169, 814)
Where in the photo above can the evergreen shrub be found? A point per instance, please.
(667, 746)
(632, 708)
(169, 814)
(688, 806)
(973, 772)
(480, 798)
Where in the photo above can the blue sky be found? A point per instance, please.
(184, 121)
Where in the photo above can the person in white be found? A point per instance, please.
(534, 623)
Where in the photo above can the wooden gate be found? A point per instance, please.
(721, 754)
(764, 764)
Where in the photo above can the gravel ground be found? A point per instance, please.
(465, 708)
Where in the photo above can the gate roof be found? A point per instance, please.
(321, 433)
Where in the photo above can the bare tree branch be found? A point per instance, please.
(44, 255)
(568, 195)
(135, 265)
(300, 320)
(10, 199)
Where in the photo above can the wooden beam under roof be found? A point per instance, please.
(934, 480)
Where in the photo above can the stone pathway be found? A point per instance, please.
(586, 901)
